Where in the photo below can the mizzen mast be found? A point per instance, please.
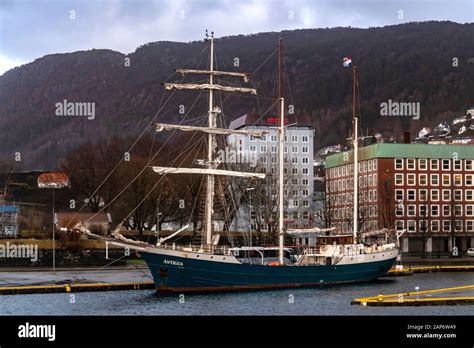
(281, 139)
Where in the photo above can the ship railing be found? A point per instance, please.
(199, 248)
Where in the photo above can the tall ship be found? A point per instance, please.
(209, 266)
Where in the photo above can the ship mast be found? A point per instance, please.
(355, 144)
(281, 139)
(210, 152)
(211, 165)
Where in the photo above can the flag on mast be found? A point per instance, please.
(347, 62)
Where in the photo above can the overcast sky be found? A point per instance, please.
(30, 29)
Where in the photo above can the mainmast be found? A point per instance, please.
(355, 143)
(210, 152)
(281, 139)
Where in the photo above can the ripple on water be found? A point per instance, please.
(326, 300)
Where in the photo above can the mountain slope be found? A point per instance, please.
(408, 62)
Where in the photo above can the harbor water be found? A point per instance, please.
(326, 300)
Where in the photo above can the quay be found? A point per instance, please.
(460, 295)
(71, 288)
(410, 270)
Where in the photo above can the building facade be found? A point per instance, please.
(262, 154)
(427, 190)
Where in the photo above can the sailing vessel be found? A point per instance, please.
(212, 267)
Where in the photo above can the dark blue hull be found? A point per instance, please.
(178, 274)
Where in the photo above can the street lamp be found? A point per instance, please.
(250, 212)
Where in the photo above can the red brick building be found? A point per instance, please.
(427, 190)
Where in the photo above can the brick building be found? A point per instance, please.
(426, 189)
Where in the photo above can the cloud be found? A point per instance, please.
(30, 29)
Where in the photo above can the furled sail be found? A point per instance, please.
(208, 86)
(164, 126)
(295, 231)
(245, 76)
(171, 170)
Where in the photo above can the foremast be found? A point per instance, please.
(211, 164)
(210, 152)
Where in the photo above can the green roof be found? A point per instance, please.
(389, 150)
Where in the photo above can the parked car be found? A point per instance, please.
(470, 252)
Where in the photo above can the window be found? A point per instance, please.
(458, 225)
(423, 210)
(423, 179)
(305, 160)
(446, 210)
(411, 226)
(263, 149)
(253, 139)
(273, 149)
(446, 164)
(411, 180)
(305, 203)
(263, 138)
(458, 210)
(305, 171)
(446, 226)
(435, 226)
(399, 179)
(469, 210)
(469, 165)
(399, 195)
(294, 160)
(253, 148)
(294, 149)
(423, 195)
(305, 182)
(305, 149)
(411, 164)
(285, 149)
(294, 138)
(434, 164)
(273, 138)
(411, 210)
(469, 195)
(263, 160)
(469, 180)
(295, 171)
(434, 179)
(399, 210)
(305, 139)
(375, 164)
(305, 193)
(422, 164)
(399, 225)
(423, 225)
(446, 195)
(457, 179)
(457, 164)
(295, 215)
(446, 180)
(295, 203)
(469, 225)
(399, 163)
(434, 210)
(435, 195)
(305, 215)
(411, 195)
(458, 195)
